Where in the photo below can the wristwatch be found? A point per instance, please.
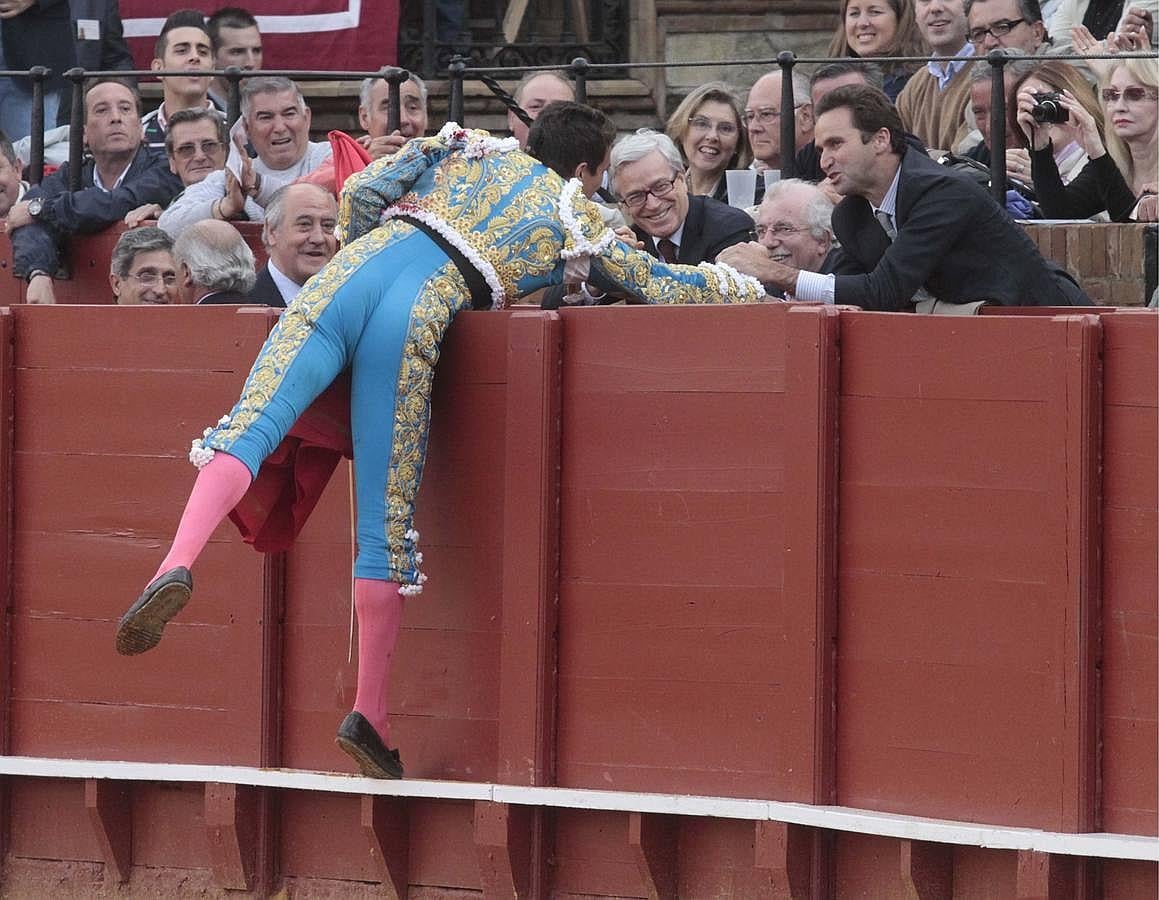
(35, 207)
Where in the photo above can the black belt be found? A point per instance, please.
(481, 297)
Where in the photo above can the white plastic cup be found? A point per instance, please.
(742, 187)
(771, 176)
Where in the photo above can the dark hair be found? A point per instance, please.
(566, 134)
(123, 82)
(6, 148)
(228, 17)
(870, 111)
(182, 18)
(197, 114)
(872, 73)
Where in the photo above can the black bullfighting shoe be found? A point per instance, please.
(165, 597)
(358, 738)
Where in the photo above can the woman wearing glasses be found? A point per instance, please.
(879, 29)
(1120, 176)
(707, 128)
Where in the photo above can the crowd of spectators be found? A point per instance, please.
(180, 166)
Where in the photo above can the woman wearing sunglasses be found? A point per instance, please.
(1121, 173)
(707, 128)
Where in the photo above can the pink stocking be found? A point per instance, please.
(379, 607)
(219, 487)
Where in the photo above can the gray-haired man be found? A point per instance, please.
(216, 265)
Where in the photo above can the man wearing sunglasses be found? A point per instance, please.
(1010, 24)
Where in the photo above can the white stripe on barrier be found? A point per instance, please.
(835, 818)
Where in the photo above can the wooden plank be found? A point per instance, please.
(505, 837)
(386, 824)
(7, 426)
(927, 870)
(653, 842)
(783, 854)
(530, 526)
(232, 826)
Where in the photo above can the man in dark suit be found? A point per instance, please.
(918, 232)
(647, 174)
(299, 237)
(215, 265)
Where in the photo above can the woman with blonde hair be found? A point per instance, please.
(707, 128)
(1120, 176)
(880, 29)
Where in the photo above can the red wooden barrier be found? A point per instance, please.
(803, 554)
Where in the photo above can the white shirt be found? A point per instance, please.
(286, 286)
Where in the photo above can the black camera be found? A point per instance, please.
(1048, 108)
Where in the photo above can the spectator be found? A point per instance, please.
(277, 121)
(12, 185)
(826, 78)
(120, 175)
(33, 34)
(912, 227)
(879, 29)
(933, 103)
(707, 128)
(195, 146)
(299, 238)
(100, 44)
(1065, 137)
(1117, 181)
(762, 117)
(142, 269)
(183, 45)
(215, 263)
(1099, 18)
(647, 173)
(980, 106)
(236, 41)
(534, 91)
(794, 223)
(374, 113)
(1012, 24)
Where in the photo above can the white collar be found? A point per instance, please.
(674, 237)
(286, 286)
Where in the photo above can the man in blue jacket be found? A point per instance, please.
(119, 175)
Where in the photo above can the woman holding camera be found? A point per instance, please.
(1118, 180)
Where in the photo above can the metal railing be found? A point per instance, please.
(580, 70)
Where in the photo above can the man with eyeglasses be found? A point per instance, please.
(142, 269)
(794, 224)
(762, 116)
(647, 175)
(195, 146)
(1008, 24)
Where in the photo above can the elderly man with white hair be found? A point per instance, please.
(215, 265)
(647, 174)
(794, 224)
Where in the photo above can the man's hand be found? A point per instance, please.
(386, 145)
(628, 236)
(233, 203)
(10, 9)
(40, 290)
(753, 259)
(18, 216)
(135, 217)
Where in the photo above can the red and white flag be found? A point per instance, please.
(329, 35)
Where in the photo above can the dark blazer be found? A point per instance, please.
(952, 238)
(709, 227)
(223, 297)
(265, 291)
(90, 209)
